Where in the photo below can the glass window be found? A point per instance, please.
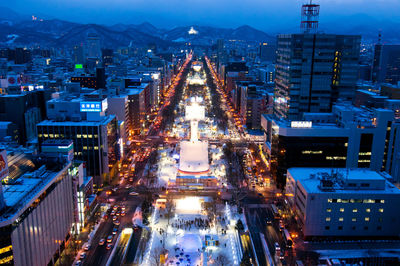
(340, 228)
(368, 210)
(366, 219)
(328, 219)
(328, 210)
(341, 219)
(354, 219)
(380, 210)
(341, 209)
(355, 210)
(326, 227)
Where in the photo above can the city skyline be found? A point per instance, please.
(265, 15)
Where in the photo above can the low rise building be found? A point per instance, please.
(344, 203)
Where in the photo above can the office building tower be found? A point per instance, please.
(93, 49)
(313, 71)
(24, 110)
(348, 137)
(267, 52)
(386, 67)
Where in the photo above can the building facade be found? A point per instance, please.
(344, 203)
(313, 71)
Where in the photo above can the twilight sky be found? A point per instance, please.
(262, 14)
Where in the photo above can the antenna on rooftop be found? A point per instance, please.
(309, 17)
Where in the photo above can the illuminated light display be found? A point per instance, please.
(91, 107)
(301, 124)
(78, 66)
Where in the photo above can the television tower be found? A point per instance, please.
(309, 17)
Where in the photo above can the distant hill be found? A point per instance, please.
(21, 30)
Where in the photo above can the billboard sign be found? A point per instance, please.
(3, 164)
(91, 107)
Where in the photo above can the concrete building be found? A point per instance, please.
(37, 213)
(344, 203)
(348, 137)
(313, 71)
(24, 110)
(386, 66)
(96, 142)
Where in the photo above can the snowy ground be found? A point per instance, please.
(184, 241)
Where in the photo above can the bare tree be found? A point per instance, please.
(155, 256)
(221, 260)
(169, 207)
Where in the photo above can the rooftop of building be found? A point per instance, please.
(21, 190)
(312, 180)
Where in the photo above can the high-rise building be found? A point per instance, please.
(313, 71)
(96, 139)
(267, 52)
(386, 67)
(93, 49)
(348, 137)
(24, 110)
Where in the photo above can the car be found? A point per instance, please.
(123, 213)
(131, 179)
(123, 207)
(115, 208)
(82, 255)
(128, 186)
(260, 195)
(109, 246)
(87, 247)
(269, 221)
(281, 225)
(133, 193)
(113, 213)
(102, 241)
(281, 255)
(78, 263)
(116, 222)
(118, 213)
(110, 238)
(114, 218)
(277, 247)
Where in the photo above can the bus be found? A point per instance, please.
(275, 211)
(287, 238)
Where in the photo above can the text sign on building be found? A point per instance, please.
(91, 107)
(3, 165)
(301, 124)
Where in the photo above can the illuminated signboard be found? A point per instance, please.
(3, 165)
(301, 124)
(91, 107)
(78, 66)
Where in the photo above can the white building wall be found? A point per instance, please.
(40, 235)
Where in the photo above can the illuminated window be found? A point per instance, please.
(341, 219)
(328, 219)
(341, 209)
(380, 210)
(330, 200)
(366, 219)
(368, 210)
(85, 147)
(78, 136)
(355, 210)
(96, 147)
(354, 219)
(328, 210)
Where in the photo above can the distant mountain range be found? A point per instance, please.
(22, 30)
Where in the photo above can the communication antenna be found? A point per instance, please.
(309, 17)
